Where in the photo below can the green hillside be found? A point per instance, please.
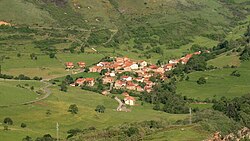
(45, 34)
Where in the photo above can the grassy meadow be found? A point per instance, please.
(11, 94)
(219, 83)
(40, 123)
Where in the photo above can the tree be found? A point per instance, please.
(100, 108)
(196, 63)
(235, 73)
(132, 131)
(82, 49)
(69, 79)
(73, 109)
(245, 55)
(33, 56)
(103, 71)
(23, 125)
(86, 69)
(52, 55)
(18, 55)
(48, 112)
(201, 81)
(27, 138)
(157, 106)
(64, 87)
(8, 121)
(32, 88)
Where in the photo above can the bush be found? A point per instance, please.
(201, 81)
(8, 121)
(73, 109)
(23, 125)
(235, 73)
(100, 109)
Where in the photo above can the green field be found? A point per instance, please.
(11, 94)
(219, 83)
(39, 123)
(182, 133)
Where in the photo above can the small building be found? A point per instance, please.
(120, 84)
(108, 79)
(143, 64)
(139, 88)
(4, 23)
(69, 65)
(95, 69)
(81, 64)
(90, 81)
(105, 92)
(80, 81)
(126, 78)
(134, 67)
(125, 94)
(169, 67)
(131, 86)
(129, 100)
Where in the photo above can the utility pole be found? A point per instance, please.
(57, 131)
(190, 115)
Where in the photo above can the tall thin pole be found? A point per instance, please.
(57, 131)
(190, 114)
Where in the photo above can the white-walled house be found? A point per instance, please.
(129, 100)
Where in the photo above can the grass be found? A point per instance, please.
(184, 133)
(224, 60)
(219, 83)
(39, 123)
(11, 94)
(23, 13)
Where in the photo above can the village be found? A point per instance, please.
(115, 74)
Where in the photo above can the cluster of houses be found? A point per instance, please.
(140, 83)
(142, 68)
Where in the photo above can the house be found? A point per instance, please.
(134, 67)
(160, 70)
(105, 92)
(126, 78)
(153, 67)
(169, 67)
(127, 68)
(80, 81)
(174, 61)
(69, 65)
(143, 64)
(131, 86)
(119, 59)
(90, 81)
(129, 100)
(139, 88)
(119, 84)
(148, 89)
(95, 69)
(81, 64)
(4, 23)
(126, 59)
(139, 79)
(198, 52)
(108, 79)
(125, 94)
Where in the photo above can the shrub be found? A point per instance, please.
(201, 81)
(100, 109)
